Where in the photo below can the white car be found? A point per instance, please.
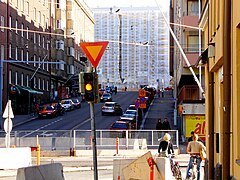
(111, 108)
(133, 112)
(68, 104)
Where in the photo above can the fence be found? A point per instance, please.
(81, 139)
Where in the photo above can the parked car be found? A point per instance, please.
(120, 128)
(76, 103)
(133, 112)
(59, 107)
(129, 116)
(106, 97)
(112, 108)
(47, 111)
(130, 120)
(108, 90)
(68, 104)
(131, 107)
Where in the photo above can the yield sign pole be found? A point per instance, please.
(94, 52)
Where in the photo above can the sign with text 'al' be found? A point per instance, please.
(94, 51)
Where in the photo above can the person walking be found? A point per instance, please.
(191, 138)
(165, 147)
(194, 147)
(166, 124)
(159, 127)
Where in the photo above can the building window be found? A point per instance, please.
(34, 82)
(27, 56)
(2, 23)
(39, 17)
(34, 37)
(10, 50)
(34, 14)
(27, 33)
(60, 44)
(39, 40)
(47, 85)
(39, 83)
(27, 8)
(43, 84)
(47, 23)
(22, 55)
(16, 53)
(43, 42)
(44, 20)
(16, 26)
(192, 43)
(27, 81)
(10, 77)
(34, 59)
(192, 8)
(47, 67)
(22, 79)
(22, 5)
(39, 61)
(10, 22)
(22, 30)
(58, 24)
(2, 51)
(16, 78)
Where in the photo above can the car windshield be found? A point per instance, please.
(131, 112)
(48, 108)
(66, 102)
(106, 95)
(75, 100)
(120, 125)
(109, 105)
(128, 115)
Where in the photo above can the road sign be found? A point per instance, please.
(94, 51)
(8, 112)
(137, 104)
(141, 93)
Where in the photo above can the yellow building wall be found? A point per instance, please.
(235, 89)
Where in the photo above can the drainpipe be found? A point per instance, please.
(210, 136)
(226, 89)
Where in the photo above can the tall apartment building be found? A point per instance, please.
(138, 52)
(36, 32)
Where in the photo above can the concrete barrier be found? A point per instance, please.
(163, 165)
(14, 158)
(43, 172)
(118, 165)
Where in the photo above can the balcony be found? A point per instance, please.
(190, 19)
(188, 93)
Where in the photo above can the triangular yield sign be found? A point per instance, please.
(94, 51)
(8, 112)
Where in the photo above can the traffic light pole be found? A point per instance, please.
(93, 133)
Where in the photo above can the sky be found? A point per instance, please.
(126, 3)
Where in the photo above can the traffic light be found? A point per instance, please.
(89, 86)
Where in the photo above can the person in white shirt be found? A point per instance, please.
(193, 149)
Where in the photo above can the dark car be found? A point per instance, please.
(47, 111)
(112, 108)
(59, 107)
(106, 97)
(118, 129)
(76, 103)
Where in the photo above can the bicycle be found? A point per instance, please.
(175, 167)
(193, 170)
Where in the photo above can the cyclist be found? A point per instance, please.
(193, 149)
(165, 147)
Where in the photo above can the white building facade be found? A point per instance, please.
(138, 50)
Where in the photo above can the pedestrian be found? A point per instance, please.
(166, 124)
(159, 93)
(194, 148)
(159, 124)
(36, 108)
(191, 138)
(125, 88)
(115, 90)
(165, 147)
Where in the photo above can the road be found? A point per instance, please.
(80, 118)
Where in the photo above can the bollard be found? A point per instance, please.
(151, 164)
(117, 145)
(118, 177)
(38, 154)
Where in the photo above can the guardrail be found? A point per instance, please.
(81, 139)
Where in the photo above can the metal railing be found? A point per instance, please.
(81, 139)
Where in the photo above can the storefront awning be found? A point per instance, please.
(29, 90)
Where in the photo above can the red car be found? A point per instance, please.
(118, 129)
(47, 111)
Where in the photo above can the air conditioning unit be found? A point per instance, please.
(70, 69)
